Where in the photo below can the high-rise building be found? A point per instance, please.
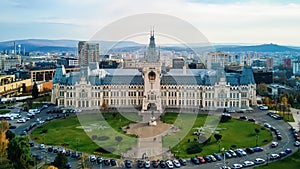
(178, 63)
(88, 52)
(287, 63)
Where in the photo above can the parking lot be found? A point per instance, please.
(260, 117)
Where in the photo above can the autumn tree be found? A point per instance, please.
(52, 167)
(3, 140)
(266, 101)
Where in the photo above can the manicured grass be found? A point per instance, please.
(4, 111)
(88, 132)
(235, 133)
(291, 162)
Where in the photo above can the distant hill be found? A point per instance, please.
(44, 45)
(259, 48)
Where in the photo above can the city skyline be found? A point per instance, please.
(220, 21)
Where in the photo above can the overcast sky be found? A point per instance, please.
(221, 21)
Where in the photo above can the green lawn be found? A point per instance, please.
(235, 133)
(291, 162)
(88, 131)
(4, 111)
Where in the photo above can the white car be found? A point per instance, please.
(248, 163)
(169, 164)
(147, 164)
(42, 146)
(259, 161)
(267, 125)
(274, 144)
(274, 156)
(21, 121)
(241, 151)
(297, 143)
(176, 163)
(237, 166)
(93, 158)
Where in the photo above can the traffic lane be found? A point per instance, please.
(42, 115)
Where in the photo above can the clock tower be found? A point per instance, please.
(152, 74)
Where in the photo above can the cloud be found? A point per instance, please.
(221, 21)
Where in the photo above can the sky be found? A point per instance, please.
(221, 21)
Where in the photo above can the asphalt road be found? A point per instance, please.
(258, 115)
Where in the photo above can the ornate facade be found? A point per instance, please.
(152, 87)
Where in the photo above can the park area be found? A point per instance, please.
(102, 133)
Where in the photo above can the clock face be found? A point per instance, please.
(151, 75)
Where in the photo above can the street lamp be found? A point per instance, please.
(223, 150)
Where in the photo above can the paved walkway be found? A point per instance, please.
(296, 115)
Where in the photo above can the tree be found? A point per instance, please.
(218, 137)
(3, 139)
(266, 101)
(35, 90)
(262, 89)
(52, 167)
(10, 135)
(60, 160)
(257, 132)
(18, 152)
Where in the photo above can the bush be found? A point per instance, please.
(225, 118)
(194, 148)
(94, 137)
(44, 131)
(103, 138)
(4, 111)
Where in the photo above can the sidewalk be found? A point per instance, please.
(296, 117)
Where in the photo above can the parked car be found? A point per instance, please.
(50, 149)
(182, 161)
(176, 163)
(195, 160)
(274, 156)
(92, 158)
(99, 160)
(282, 154)
(21, 121)
(207, 159)
(217, 156)
(128, 164)
(274, 144)
(250, 150)
(288, 151)
(113, 162)
(259, 161)
(155, 164)
(258, 149)
(243, 118)
(68, 165)
(232, 153)
(31, 144)
(169, 164)
(237, 166)
(297, 143)
(251, 120)
(140, 164)
(242, 151)
(267, 125)
(106, 162)
(42, 146)
(147, 164)
(162, 164)
(227, 155)
(212, 158)
(248, 163)
(201, 159)
(39, 157)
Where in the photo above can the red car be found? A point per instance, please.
(201, 159)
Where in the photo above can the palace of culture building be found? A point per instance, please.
(153, 87)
